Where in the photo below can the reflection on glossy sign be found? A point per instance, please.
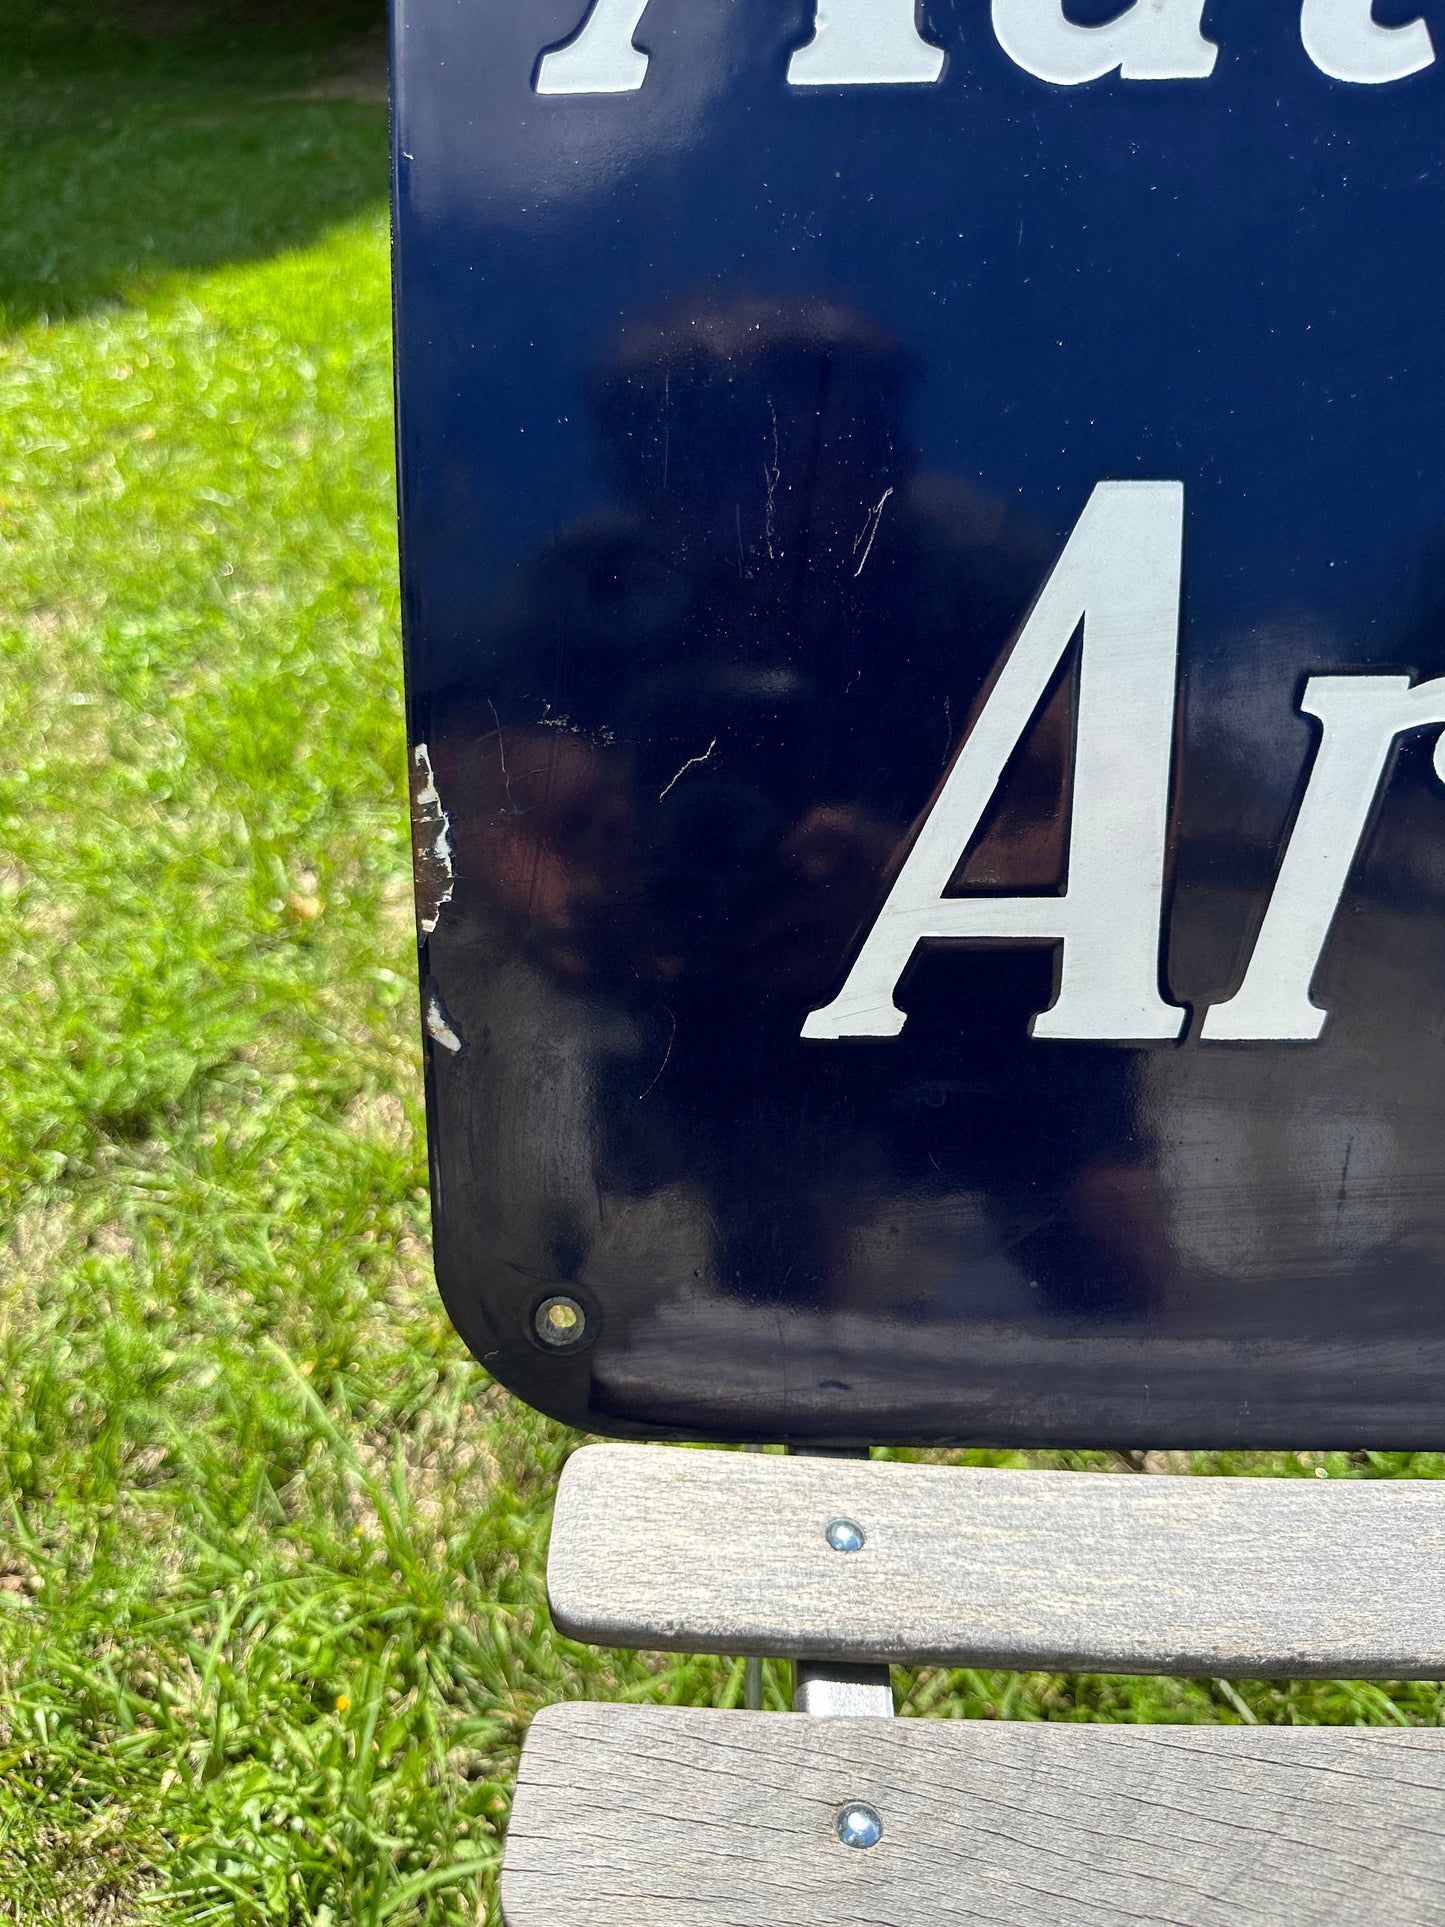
(924, 543)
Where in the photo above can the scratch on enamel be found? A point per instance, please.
(693, 762)
(869, 530)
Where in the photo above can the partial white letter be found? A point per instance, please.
(1119, 574)
(856, 42)
(1345, 42)
(601, 58)
(1362, 716)
(1152, 40)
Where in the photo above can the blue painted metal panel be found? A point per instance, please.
(741, 425)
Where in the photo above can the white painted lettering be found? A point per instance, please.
(600, 58)
(1120, 575)
(1152, 40)
(1361, 717)
(858, 42)
(855, 43)
(1345, 41)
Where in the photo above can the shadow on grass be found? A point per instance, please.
(126, 155)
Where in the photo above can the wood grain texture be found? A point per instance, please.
(725, 1552)
(645, 1817)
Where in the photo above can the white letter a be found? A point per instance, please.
(1152, 40)
(1120, 574)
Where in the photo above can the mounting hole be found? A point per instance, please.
(561, 1324)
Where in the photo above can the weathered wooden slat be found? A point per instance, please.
(644, 1817)
(727, 1552)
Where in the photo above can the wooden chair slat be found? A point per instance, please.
(645, 1817)
(727, 1552)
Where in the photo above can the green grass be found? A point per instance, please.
(271, 1611)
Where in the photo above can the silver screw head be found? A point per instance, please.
(560, 1322)
(846, 1535)
(859, 1825)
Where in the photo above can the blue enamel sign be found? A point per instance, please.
(924, 552)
